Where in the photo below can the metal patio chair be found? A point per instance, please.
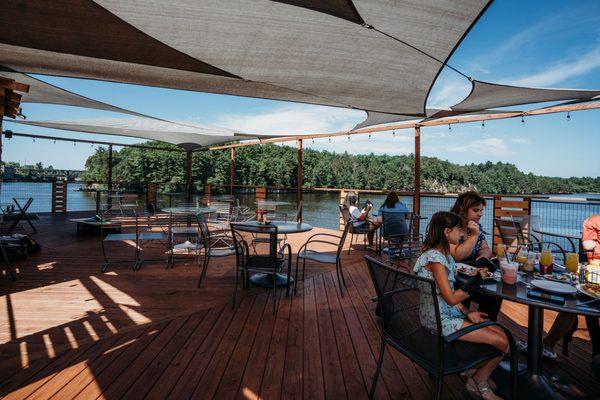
(351, 230)
(270, 263)
(397, 238)
(332, 241)
(399, 300)
(513, 236)
(183, 235)
(215, 244)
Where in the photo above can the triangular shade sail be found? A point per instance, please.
(45, 93)
(186, 136)
(303, 50)
(491, 95)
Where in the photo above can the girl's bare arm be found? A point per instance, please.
(440, 276)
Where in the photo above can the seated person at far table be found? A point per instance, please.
(392, 204)
(361, 221)
(564, 324)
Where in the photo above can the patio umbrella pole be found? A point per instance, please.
(299, 187)
(231, 169)
(188, 174)
(417, 178)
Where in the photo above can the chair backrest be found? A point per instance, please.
(511, 233)
(240, 230)
(203, 228)
(410, 311)
(343, 240)
(346, 216)
(395, 223)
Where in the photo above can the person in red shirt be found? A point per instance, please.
(590, 238)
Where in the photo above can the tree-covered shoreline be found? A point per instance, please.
(272, 165)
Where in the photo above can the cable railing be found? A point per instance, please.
(563, 215)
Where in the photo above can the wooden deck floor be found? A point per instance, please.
(68, 331)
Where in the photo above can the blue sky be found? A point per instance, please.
(547, 43)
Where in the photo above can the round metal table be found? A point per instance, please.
(534, 385)
(284, 228)
(189, 210)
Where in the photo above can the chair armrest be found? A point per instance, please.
(323, 234)
(305, 245)
(458, 334)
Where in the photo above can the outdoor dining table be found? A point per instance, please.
(571, 238)
(283, 228)
(189, 210)
(534, 385)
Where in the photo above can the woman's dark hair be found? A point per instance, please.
(391, 200)
(465, 201)
(435, 230)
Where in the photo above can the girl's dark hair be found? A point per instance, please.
(435, 230)
(465, 201)
(351, 199)
(391, 200)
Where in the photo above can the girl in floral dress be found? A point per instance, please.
(436, 263)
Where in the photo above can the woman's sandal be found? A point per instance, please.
(547, 354)
(481, 390)
(468, 374)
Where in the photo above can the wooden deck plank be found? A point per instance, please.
(314, 386)
(104, 379)
(168, 379)
(271, 384)
(294, 364)
(351, 364)
(96, 366)
(230, 380)
(193, 373)
(332, 368)
(257, 360)
(209, 382)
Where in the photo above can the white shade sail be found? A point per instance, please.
(491, 95)
(188, 136)
(372, 55)
(45, 93)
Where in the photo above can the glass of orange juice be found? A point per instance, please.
(546, 262)
(572, 262)
(500, 250)
(521, 257)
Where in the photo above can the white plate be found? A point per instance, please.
(581, 290)
(554, 287)
(466, 269)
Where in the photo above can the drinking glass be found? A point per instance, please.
(521, 257)
(546, 262)
(572, 262)
(500, 250)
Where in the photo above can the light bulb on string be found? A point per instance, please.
(482, 124)
(54, 141)
(568, 116)
(74, 143)
(348, 136)
(394, 133)
(522, 120)
(449, 128)
(313, 141)
(369, 136)
(33, 140)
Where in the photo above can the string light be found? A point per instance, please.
(348, 136)
(329, 139)
(394, 133)
(369, 136)
(568, 116)
(313, 141)
(74, 143)
(482, 124)
(522, 120)
(449, 128)
(33, 140)
(54, 141)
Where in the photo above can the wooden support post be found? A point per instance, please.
(299, 183)
(231, 170)
(417, 178)
(188, 174)
(109, 183)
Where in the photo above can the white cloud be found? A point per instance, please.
(562, 71)
(293, 119)
(492, 145)
(448, 91)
